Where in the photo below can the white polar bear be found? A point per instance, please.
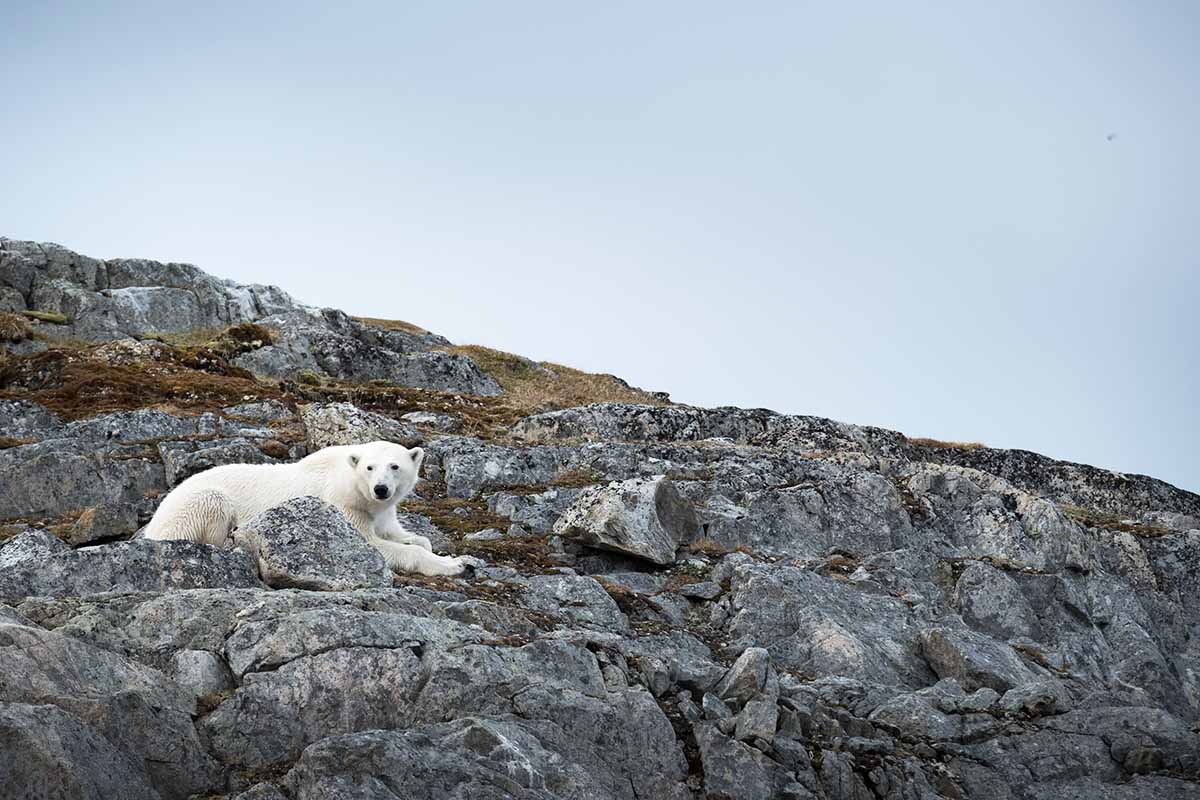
(365, 482)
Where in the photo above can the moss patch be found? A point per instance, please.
(52, 317)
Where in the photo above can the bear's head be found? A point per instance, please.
(384, 472)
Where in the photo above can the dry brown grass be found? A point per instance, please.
(1111, 522)
(940, 445)
(457, 516)
(14, 328)
(545, 386)
(391, 324)
(81, 383)
(714, 549)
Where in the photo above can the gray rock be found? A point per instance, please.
(330, 424)
(479, 758)
(703, 590)
(747, 677)
(915, 717)
(200, 672)
(182, 460)
(980, 701)
(269, 643)
(688, 661)
(136, 709)
(445, 423)
(308, 544)
(824, 627)
(108, 521)
(469, 466)
(575, 598)
(538, 511)
(330, 343)
(757, 720)
(48, 752)
(643, 518)
(59, 476)
(974, 660)
(992, 602)
(620, 422)
(260, 791)
(262, 411)
(20, 419)
(714, 708)
(734, 769)
(29, 547)
(140, 565)
(1035, 700)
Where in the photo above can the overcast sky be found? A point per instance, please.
(970, 221)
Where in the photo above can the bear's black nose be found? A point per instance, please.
(381, 492)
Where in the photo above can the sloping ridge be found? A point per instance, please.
(850, 613)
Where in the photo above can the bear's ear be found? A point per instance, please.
(418, 455)
(353, 459)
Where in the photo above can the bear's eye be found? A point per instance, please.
(370, 468)
(395, 466)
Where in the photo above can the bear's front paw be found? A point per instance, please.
(471, 561)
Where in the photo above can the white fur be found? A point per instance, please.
(208, 517)
(345, 476)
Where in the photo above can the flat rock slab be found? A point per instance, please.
(306, 543)
(646, 518)
(37, 564)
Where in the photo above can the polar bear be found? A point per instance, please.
(365, 482)
(208, 516)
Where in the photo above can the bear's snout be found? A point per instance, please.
(381, 492)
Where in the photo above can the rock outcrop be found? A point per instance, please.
(676, 602)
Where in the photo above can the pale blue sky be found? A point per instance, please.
(899, 214)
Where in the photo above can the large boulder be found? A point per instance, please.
(638, 517)
(54, 750)
(136, 709)
(308, 544)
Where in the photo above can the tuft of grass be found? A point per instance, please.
(14, 328)
(52, 317)
(390, 324)
(940, 445)
(543, 386)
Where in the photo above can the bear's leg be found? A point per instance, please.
(389, 528)
(403, 557)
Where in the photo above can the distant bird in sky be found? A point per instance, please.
(1111, 136)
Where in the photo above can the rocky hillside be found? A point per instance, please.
(676, 602)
